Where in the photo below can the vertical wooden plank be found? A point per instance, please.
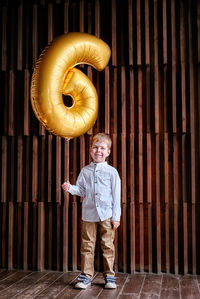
(49, 168)
(123, 154)
(65, 208)
(183, 23)
(193, 135)
(35, 39)
(149, 198)
(141, 199)
(149, 169)
(4, 169)
(26, 102)
(18, 236)
(132, 103)
(10, 235)
(89, 10)
(114, 119)
(20, 37)
(11, 104)
(132, 237)
(114, 164)
(155, 14)
(49, 217)
(138, 13)
(58, 169)
(123, 100)
(194, 253)
(97, 19)
(165, 100)
(66, 16)
(107, 100)
(158, 215)
(165, 32)
(33, 240)
(185, 236)
(35, 34)
(35, 169)
(176, 197)
(124, 198)
(90, 76)
(81, 17)
(42, 170)
(157, 100)
(140, 101)
(183, 96)
(130, 31)
(198, 30)
(74, 212)
(12, 166)
(114, 101)
(185, 205)
(58, 234)
(114, 34)
(141, 217)
(174, 101)
(4, 39)
(193, 161)
(82, 151)
(19, 168)
(27, 176)
(183, 55)
(132, 202)
(25, 236)
(173, 33)
(167, 197)
(41, 236)
(5, 232)
(147, 37)
(50, 22)
(174, 61)
(140, 152)
(176, 238)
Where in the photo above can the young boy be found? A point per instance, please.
(100, 185)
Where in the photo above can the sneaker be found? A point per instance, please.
(83, 282)
(110, 282)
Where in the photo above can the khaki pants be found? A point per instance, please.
(89, 233)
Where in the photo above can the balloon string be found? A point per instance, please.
(67, 164)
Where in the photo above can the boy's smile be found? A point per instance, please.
(99, 151)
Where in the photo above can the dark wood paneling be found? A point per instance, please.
(149, 103)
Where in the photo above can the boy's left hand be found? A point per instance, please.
(115, 224)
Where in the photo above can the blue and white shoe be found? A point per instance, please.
(110, 282)
(83, 282)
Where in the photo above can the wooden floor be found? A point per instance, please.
(53, 284)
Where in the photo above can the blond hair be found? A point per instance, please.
(102, 138)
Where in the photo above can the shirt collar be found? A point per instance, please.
(99, 165)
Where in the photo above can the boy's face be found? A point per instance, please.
(99, 151)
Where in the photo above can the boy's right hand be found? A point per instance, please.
(66, 186)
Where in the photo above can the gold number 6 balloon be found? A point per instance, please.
(55, 75)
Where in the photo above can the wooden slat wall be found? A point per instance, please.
(149, 98)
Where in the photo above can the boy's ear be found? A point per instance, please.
(108, 153)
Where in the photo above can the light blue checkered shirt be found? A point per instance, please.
(100, 185)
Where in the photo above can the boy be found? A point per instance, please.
(100, 185)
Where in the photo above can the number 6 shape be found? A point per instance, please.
(55, 75)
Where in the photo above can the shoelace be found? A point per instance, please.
(110, 279)
(84, 279)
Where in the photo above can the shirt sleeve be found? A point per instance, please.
(79, 188)
(116, 194)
